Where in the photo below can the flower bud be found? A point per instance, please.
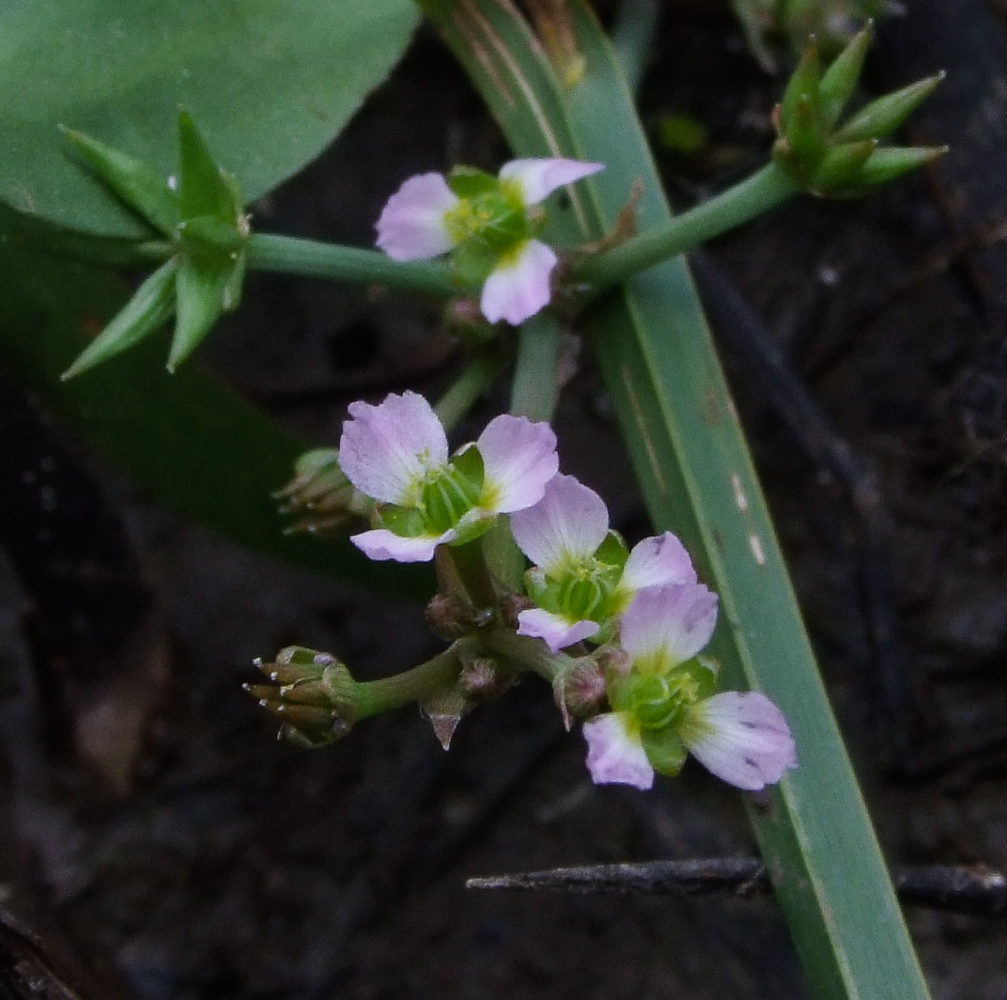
(311, 693)
(321, 498)
(579, 689)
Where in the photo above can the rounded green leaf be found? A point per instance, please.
(270, 84)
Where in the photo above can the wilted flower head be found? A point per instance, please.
(665, 705)
(397, 454)
(488, 223)
(583, 576)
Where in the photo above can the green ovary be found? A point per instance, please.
(659, 701)
(496, 219)
(445, 498)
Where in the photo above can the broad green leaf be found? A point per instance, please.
(270, 83)
(186, 438)
(662, 370)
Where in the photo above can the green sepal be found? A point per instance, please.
(890, 162)
(130, 180)
(801, 89)
(473, 261)
(613, 550)
(840, 168)
(882, 117)
(149, 308)
(473, 525)
(839, 81)
(203, 187)
(470, 464)
(404, 521)
(199, 291)
(664, 750)
(470, 182)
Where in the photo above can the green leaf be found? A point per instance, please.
(150, 307)
(270, 83)
(890, 162)
(187, 439)
(661, 369)
(129, 179)
(802, 87)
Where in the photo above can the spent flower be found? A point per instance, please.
(583, 575)
(397, 453)
(488, 224)
(665, 706)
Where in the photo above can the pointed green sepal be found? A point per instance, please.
(882, 117)
(839, 170)
(801, 88)
(664, 750)
(470, 182)
(839, 81)
(199, 292)
(148, 309)
(890, 162)
(203, 187)
(130, 180)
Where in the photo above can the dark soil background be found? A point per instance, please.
(158, 843)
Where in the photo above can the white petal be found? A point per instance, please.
(742, 737)
(385, 450)
(615, 754)
(556, 631)
(538, 178)
(519, 286)
(567, 524)
(412, 226)
(380, 544)
(655, 562)
(519, 458)
(673, 622)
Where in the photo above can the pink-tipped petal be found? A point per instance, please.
(567, 524)
(673, 622)
(386, 450)
(412, 226)
(741, 737)
(555, 631)
(519, 458)
(380, 544)
(538, 178)
(655, 562)
(615, 754)
(519, 287)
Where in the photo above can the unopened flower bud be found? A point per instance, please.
(579, 690)
(311, 693)
(482, 678)
(322, 499)
(451, 616)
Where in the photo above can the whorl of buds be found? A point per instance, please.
(839, 160)
(311, 693)
(322, 499)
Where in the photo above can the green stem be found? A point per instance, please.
(373, 697)
(288, 255)
(473, 571)
(478, 375)
(753, 197)
(536, 389)
(524, 652)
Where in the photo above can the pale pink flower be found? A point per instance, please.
(417, 224)
(394, 451)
